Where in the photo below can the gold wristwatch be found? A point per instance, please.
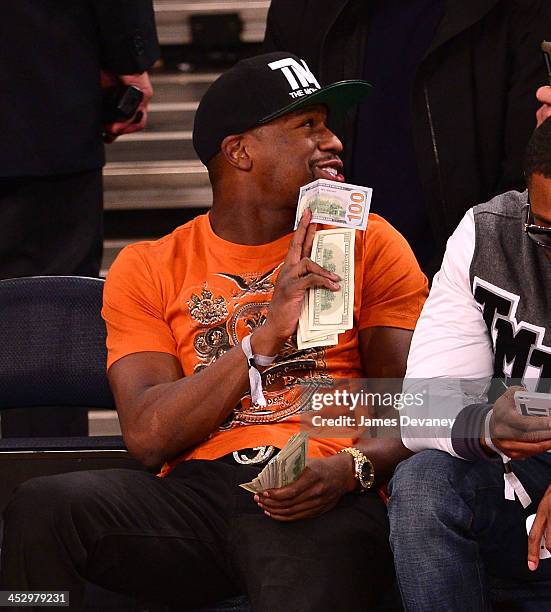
(364, 472)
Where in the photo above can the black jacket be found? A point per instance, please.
(473, 104)
(51, 52)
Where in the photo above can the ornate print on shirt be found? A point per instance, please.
(205, 309)
(257, 283)
(293, 377)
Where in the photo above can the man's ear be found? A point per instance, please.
(235, 150)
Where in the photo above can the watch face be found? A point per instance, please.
(366, 475)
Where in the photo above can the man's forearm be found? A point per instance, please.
(176, 415)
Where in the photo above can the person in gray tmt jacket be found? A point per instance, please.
(456, 522)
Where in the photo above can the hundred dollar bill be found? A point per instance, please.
(317, 341)
(333, 203)
(292, 464)
(248, 486)
(332, 311)
(291, 461)
(310, 339)
(284, 468)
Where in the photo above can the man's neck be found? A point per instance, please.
(250, 225)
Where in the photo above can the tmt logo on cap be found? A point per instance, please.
(299, 87)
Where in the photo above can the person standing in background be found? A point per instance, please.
(453, 102)
(54, 57)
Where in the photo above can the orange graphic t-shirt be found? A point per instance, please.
(195, 296)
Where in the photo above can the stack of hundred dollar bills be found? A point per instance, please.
(284, 468)
(326, 314)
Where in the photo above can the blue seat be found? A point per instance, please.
(53, 343)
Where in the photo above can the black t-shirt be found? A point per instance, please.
(399, 34)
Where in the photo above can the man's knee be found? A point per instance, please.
(420, 490)
(425, 470)
(51, 499)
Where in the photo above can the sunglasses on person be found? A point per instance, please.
(540, 234)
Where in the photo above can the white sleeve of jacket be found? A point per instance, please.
(451, 358)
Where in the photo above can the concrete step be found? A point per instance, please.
(156, 185)
(169, 174)
(152, 146)
(186, 197)
(178, 88)
(172, 17)
(171, 116)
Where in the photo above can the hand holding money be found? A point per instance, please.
(318, 489)
(324, 315)
(298, 274)
(284, 468)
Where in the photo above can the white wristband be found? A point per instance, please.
(488, 437)
(511, 483)
(255, 380)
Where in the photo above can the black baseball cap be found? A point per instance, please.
(259, 89)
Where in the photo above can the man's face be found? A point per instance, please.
(294, 150)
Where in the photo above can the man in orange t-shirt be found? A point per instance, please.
(182, 314)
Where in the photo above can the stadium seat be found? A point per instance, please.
(52, 354)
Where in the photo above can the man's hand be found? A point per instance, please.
(317, 490)
(298, 274)
(113, 130)
(516, 435)
(541, 522)
(544, 96)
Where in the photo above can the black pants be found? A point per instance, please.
(51, 225)
(192, 538)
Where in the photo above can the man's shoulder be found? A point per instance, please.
(509, 205)
(178, 241)
(499, 243)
